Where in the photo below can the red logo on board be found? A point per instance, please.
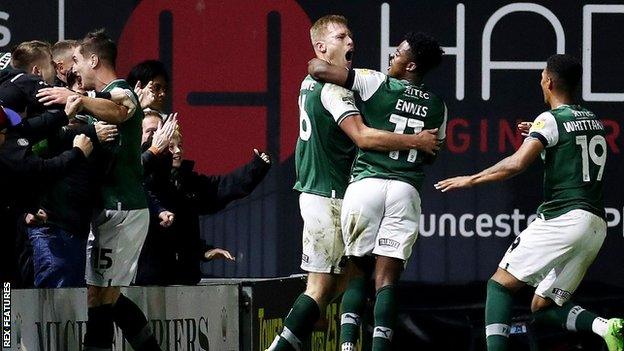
(236, 71)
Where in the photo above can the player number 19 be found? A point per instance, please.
(588, 151)
(402, 122)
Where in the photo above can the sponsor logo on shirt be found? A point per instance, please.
(538, 125)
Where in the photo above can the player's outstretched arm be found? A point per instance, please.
(507, 168)
(326, 72)
(106, 110)
(367, 138)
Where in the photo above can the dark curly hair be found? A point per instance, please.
(425, 51)
(566, 71)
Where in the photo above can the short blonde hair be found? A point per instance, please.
(319, 28)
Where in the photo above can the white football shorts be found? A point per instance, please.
(322, 238)
(380, 217)
(114, 246)
(553, 255)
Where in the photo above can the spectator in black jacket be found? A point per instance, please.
(173, 255)
(59, 242)
(30, 68)
(22, 173)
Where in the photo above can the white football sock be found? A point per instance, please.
(599, 326)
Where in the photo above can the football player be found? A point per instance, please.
(554, 251)
(381, 207)
(330, 124)
(120, 226)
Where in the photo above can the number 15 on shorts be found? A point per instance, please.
(101, 258)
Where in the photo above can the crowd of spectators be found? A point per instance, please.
(96, 192)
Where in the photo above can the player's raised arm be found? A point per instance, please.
(543, 134)
(364, 81)
(326, 72)
(106, 110)
(117, 110)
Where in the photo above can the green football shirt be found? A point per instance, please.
(397, 106)
(574, 158)
(123, 187)
(324, 153)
